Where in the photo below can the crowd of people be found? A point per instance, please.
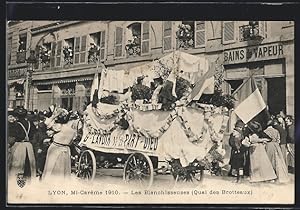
(263, 155)
(39, 142)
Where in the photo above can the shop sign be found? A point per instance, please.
(16, 73)
(250, 54)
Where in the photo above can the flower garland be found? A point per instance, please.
(159, 132)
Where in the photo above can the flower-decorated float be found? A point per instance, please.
(156, 111)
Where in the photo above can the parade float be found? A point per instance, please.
(170, 109)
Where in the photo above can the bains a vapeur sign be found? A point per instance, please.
(253, 53)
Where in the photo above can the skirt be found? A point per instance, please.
(22, 160)
(261, 168)
(58, 162)
(277, 160)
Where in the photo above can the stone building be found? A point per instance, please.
(66, 62)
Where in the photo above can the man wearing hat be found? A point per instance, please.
(40, 147)
(239, 158)
(22, 155)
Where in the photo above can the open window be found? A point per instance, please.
(133, 39)
(45, 54)
(137, 39)
(191, 34)
(21, 54)
(68, 50)
(254, 30)
(96, 47)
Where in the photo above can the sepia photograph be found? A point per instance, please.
(150, 112)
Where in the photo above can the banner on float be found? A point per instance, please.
(119, 142)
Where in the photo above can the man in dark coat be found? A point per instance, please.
(239, 158)
(39, 146)
(22, 155)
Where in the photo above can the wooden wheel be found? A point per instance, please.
(86, 166)
(138, 170)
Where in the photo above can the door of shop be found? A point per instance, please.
(276, 95)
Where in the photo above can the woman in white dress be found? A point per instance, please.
(260, 166)
(58, 160)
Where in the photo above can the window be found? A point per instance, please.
(118, 42)
(191, 34)
(80, 50)
(68, 50)
(167, 36)
(97, 47)
(9, 43)
(138, 39)
(21, 54)
(228, 32)
(254, 30)
(44, 55)
(67, 95)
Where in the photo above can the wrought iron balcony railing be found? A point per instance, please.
(248, 32)
(21, 57)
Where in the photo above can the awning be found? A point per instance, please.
(17, 81)
(65, 80)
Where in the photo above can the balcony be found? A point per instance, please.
(21, 57)
(250, 32)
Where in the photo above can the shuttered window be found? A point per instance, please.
(77, 50)
(83, 49)
(52, 56)
(200, 38)
(80, 49)
(262, 27)
(145, 38)
(58, 53)
(102, 45)
(228, 32)
(9, 44)
(118, 42)
(167, 36)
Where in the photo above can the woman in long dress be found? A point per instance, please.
(260, 166)
(22, 159)
(58, 160)
(275, 154)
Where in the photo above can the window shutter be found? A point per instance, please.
(145, 38)
(262, 29)
(77, 50)
(58, 53)
(102, 45)
(228, 32)
(200, 38)
(83, 48)
(167, 36)
(52, 56)
(119, 42)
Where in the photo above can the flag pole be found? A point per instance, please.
(242, 84)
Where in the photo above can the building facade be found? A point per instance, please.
(67, 61)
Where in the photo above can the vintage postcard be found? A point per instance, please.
(145, 112)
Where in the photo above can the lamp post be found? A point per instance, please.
(31, 60)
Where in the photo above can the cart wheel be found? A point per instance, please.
(87, 166)
(138, 170)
